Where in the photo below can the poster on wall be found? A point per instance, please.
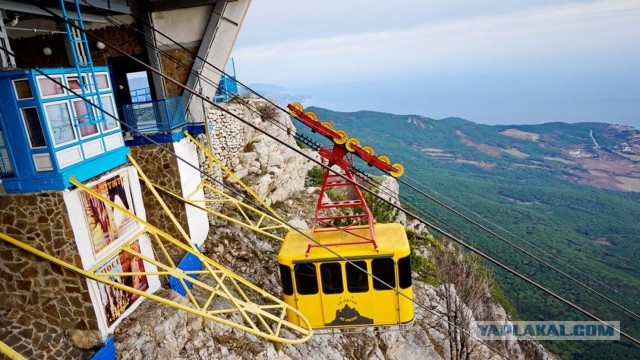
(105, 223)
(114, 302)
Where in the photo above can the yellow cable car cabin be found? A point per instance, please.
(331, 292)
(324, 278)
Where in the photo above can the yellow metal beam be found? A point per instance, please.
(164, 206)
(266, 224)
(9, 352)
(213, 158)
(262, 311)
(226, 292)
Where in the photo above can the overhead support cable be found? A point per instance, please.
(483, 228)
(547, 253)
(316, 146)
(224, 110)
(519, 248)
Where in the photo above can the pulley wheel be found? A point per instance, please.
(297, 106)
(399, 170)
(312, 115)
(343, 137)
(351, 144)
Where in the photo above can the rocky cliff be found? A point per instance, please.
(278, 174)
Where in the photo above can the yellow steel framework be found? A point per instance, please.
(265, 319)
(213, 159)
(9, 352)
(216, 293)
(249, 217)
(272, 226)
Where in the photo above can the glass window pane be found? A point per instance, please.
(287, 283)
(60, 123)
(404, 272)
(49, 87)
(384, 270)
(357, 280)
(34, 127)
(107, 104)
(103, 82)
(80, 110)
(306, 279)
(73, 83)
(331, 275)
(23, 89)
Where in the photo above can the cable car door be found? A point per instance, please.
(348, 305)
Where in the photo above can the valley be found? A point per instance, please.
(551, 185)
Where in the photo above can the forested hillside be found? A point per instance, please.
(570, 190)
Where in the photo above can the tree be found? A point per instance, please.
(465, 290)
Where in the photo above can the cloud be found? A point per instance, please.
(544, 35)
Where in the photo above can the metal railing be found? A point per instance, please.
(156, 116)
(227, 88)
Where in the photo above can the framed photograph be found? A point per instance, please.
(114, 302)
(107, 224)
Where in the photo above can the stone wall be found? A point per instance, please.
(122, 37)
(39, 300)
(179, 70)
(162, 169)
(274, 171)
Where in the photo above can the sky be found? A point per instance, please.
(492, 62)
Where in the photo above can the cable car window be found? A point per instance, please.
(306, 279)
(384, 270)
(404, 272)
(287, 283)
(331, 274)
(357, 280)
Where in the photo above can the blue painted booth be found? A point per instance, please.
(46, 135)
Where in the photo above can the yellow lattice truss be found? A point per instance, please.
(215, 293)
(271, 225)
(9, 352)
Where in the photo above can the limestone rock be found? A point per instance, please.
(85, 339)
(277, 170)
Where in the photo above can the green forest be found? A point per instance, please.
(528, 201)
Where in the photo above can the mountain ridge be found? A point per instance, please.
(596, 154)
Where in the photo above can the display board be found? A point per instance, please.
(102, 233)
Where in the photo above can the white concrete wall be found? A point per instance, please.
(218, 54)
(190, 179)
(186, 26)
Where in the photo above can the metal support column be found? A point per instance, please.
(154, 58)
(6, 60)
(81, 58)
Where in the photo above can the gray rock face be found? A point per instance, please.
(85, 339)
(275, 171)
(155, 331)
